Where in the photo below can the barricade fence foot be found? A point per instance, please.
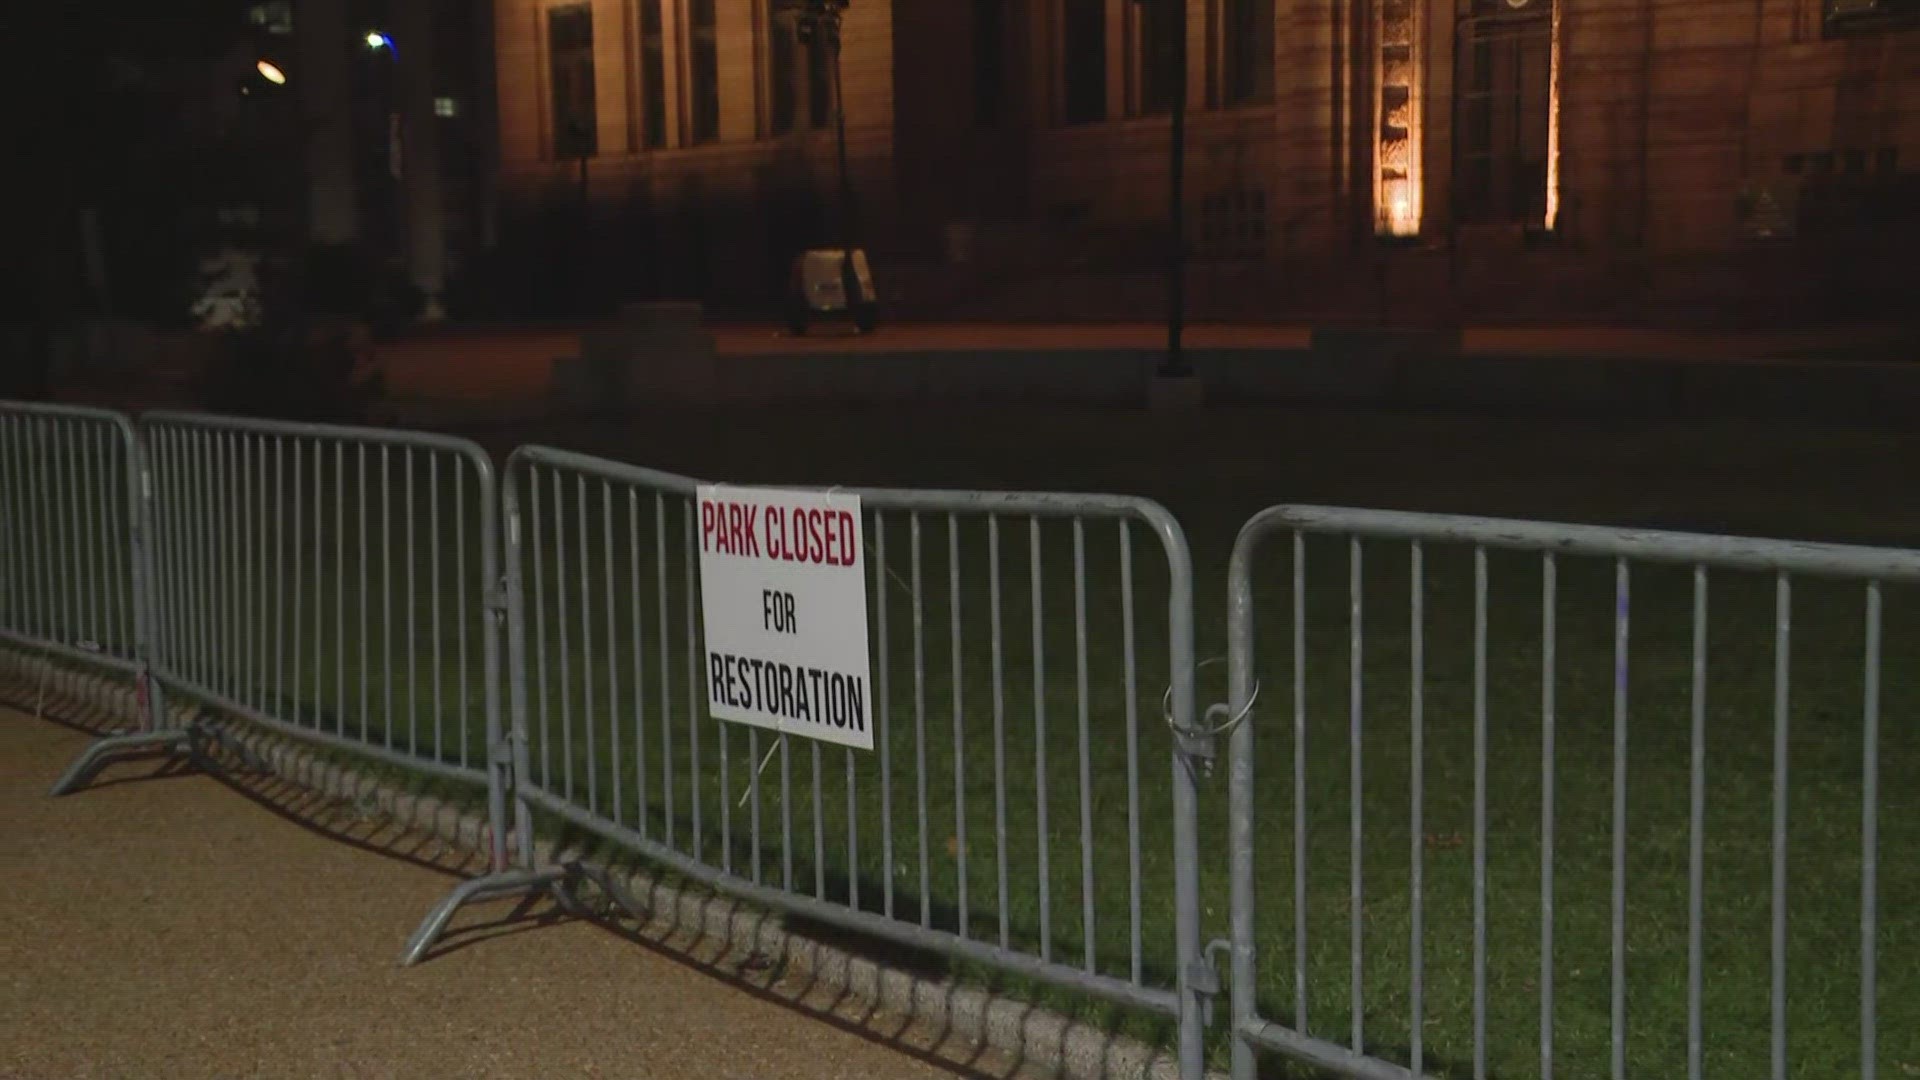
(104, 750)
(551, 881)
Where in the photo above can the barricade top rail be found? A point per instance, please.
(1033, 503)
(423, 440)
(69, 412)
(1730, 552)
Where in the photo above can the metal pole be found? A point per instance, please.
(849, 280)
(1176, 365)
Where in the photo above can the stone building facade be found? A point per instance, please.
(1396, 160)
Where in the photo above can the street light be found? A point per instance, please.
(271, 72)
(377, 41)
(817, 25)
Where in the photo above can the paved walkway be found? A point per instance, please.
(179, 926)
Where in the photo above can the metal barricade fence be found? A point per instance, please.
(76, 548)
(1001, 819)
(1517, 894)
(337, 585)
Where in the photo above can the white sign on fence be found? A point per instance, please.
(784, 594)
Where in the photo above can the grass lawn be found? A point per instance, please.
(613, 685)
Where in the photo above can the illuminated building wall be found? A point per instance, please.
(1511, 132)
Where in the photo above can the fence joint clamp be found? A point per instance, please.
(1203, 978)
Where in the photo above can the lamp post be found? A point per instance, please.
(416, 182)
(817, 25)
(1175, 364)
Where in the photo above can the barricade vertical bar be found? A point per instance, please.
(245, 516)
(194, 550)
(588, 714)
(123, 601)
(819, 827)
(1782, 681)
(1131, 689)
(119, 609)
(26, 433)
(116, 577)
(1619, 1026)
(1417, 801)
(143, 581)
(786, 813)
(20, 514)
(112, 468)
(13, 617)
(94, 554)
(67, 513)
(1240, 809)
(500, 772)
(360, 485)
(462, 587)
(693, 677)
(999, 728)
(853, 836)
(695, 699)
(130, 603)
(238, 572)
(639, 669)
(340, 587)
(1190, 996)
(1696, 830)
(439, 641)
(47, 551)
(560, 629)
(178, 639)
(280, 572)
(884, 721)
(1040, 741)
(1549, 609)
(19, 573)
(1086, 740)
(753, 799)
(319, 597)
(613, 661)
(255, 508)
(513, 575)
(413, 604)
(666, 670)
(1480, 813)
(117, 627)
(1870, 845)
(1356, 899)
(220, 601)
(959, 727)
(919, 722)
(386, 589)
(539, 620)
(1300, 782)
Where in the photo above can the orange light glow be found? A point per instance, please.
(1553, 123)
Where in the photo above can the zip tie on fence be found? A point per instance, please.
(764, 762)
(1225, 726)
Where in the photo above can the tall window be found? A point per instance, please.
(989, 61)
(570, 67)
(703, 70)
(1162, 35)
(1504, 74)
(1083, 48)
(653, 76)
(1246, 52)
(796, 73)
